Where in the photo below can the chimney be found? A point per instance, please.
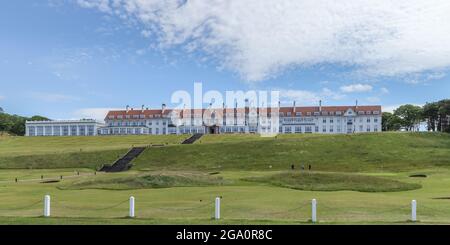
(246, 103)
(279, 103)
(142, 108)
(294, 107)
(320, 105)
(163, 108)
(128, 107)
(356, 105)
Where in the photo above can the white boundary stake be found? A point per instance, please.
(217, 208)
(46, 206)
(131, 207)
(314, 210)
(413, 211)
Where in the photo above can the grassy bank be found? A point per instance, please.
(342, 153)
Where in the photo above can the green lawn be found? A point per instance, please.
(73, 152)
(355, 179)
(242, 202)
(343, 153)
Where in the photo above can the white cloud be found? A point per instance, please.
(373, 99)
(305, 97)
(92, 113)
(2, 97)
(384, 90)
(356, 88)
(260, 39)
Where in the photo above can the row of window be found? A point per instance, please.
(308, 129)
(64, 130)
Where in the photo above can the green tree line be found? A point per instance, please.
(435, 114)
(15, 124)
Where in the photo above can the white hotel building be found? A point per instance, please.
(316, 119)
(84, 127)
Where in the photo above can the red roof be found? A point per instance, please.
(152, 113)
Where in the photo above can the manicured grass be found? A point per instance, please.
(90, 159)
(384, 159)
(314, 181)
(242, 202)
(149, 180)
(73, 152)
(342, 153)
(19, 145)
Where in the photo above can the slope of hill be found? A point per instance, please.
(72, 152)
(353, 153)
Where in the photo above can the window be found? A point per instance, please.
(57, 130)
(360, 128)
(82, 130)
(298, 129)
(31, 131)
(65, 130)
(331, 120)
(73, 130)
(375, 128)
(288, 114)
(40, 131)
(157, 130)
(316, 129)
(324, 129)
(368, 129)
(368, 119)
(90, 129)
(331, 129)
(48, 130)
(298, 114)
(375, 120)
(324, 120)
(287, 130)
(308, 129)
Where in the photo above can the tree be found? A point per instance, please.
(431, 114)
(390, 122)
(444, 115)
(411, 115)
(15, 124)
(38, 118)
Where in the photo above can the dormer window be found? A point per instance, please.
(298, 114)
(288, 114)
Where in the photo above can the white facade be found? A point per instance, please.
(84, 127)
(324, 120)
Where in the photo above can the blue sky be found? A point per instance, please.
(72, 59)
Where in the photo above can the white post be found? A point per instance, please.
(413, 210)
(46, 206)
(131, 207)
(314, 210)
(217, 210)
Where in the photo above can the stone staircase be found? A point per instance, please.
(192, 139)
(123, 163)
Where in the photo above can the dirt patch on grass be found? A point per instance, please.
(418, 176)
